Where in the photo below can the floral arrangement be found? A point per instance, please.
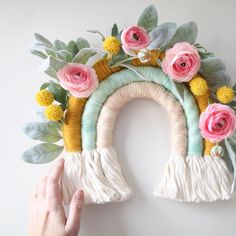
(71, 72)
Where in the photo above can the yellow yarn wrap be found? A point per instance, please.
(202, 102)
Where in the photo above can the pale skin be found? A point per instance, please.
(47, 215)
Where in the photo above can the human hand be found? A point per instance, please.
(47, 215)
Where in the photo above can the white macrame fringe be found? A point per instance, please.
(98, 173)
(196, 179)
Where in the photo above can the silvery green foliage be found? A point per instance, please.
(45, 132)
(230, 144)
(42, 153)
(84, 55)
(214, 70)
(185, 33)
(149, 18)
(58, 54)
(51, 65)
(203, 52)
(162, 35)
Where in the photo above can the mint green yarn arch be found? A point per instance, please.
(124, 77)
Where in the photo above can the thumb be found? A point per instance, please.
(73, 221)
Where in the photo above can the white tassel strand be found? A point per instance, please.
(98, 173)
(195, 180)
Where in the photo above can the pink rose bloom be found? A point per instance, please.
(217, 122)
(134, 38)
(79, 79)
(182, 62)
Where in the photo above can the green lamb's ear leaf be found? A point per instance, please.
(64, 55)
(42, 153)
(45, 132)
(59, 45)
(185, 33)
(212, 64)
(82, 43)
(230, 144)
(41, 39)
(51, 65)
(38, 53)
(114, 31)
(84, 55)
(162, 35)
(72, 47)
(148, 19)
(214, 71)
(60, 94)
(217, 79)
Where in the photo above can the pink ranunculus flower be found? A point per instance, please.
(217, 122)
(182, 62)
(134, 38)
(79, 79)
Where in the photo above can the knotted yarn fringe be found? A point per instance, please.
(196, 179)
(98, 173)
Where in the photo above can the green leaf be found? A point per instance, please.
(64, 55)
(212, 64)
(50, 52)
(82, 43)
(162, 35)
(230, 144)
(40, 38)
(45, 132)
(44, 85)
(216, 79)
(84, 55)
(38, 53)
(214, 71)
(114, 31)
(233, 103)
(42, 153)
(59, 45)
(148, 19)
(234, 87)
(60, 94)
(185, 33)
(73, 48)
(51, 65)
(117, 60)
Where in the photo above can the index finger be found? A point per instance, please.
(56, 172)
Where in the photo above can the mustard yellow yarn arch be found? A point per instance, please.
(88, 139)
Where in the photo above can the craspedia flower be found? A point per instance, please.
(225, 94)
(44, 98)
(198, 86)
(54, 112)
(112, 45)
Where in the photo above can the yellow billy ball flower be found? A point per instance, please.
(225, 94)
(54, 112)
(112, 45)
(44, 98)
(198, 86)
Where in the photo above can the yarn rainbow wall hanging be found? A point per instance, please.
(88, 86)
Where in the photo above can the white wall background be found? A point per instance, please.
(142, 129)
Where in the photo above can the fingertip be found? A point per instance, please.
(80, 195)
